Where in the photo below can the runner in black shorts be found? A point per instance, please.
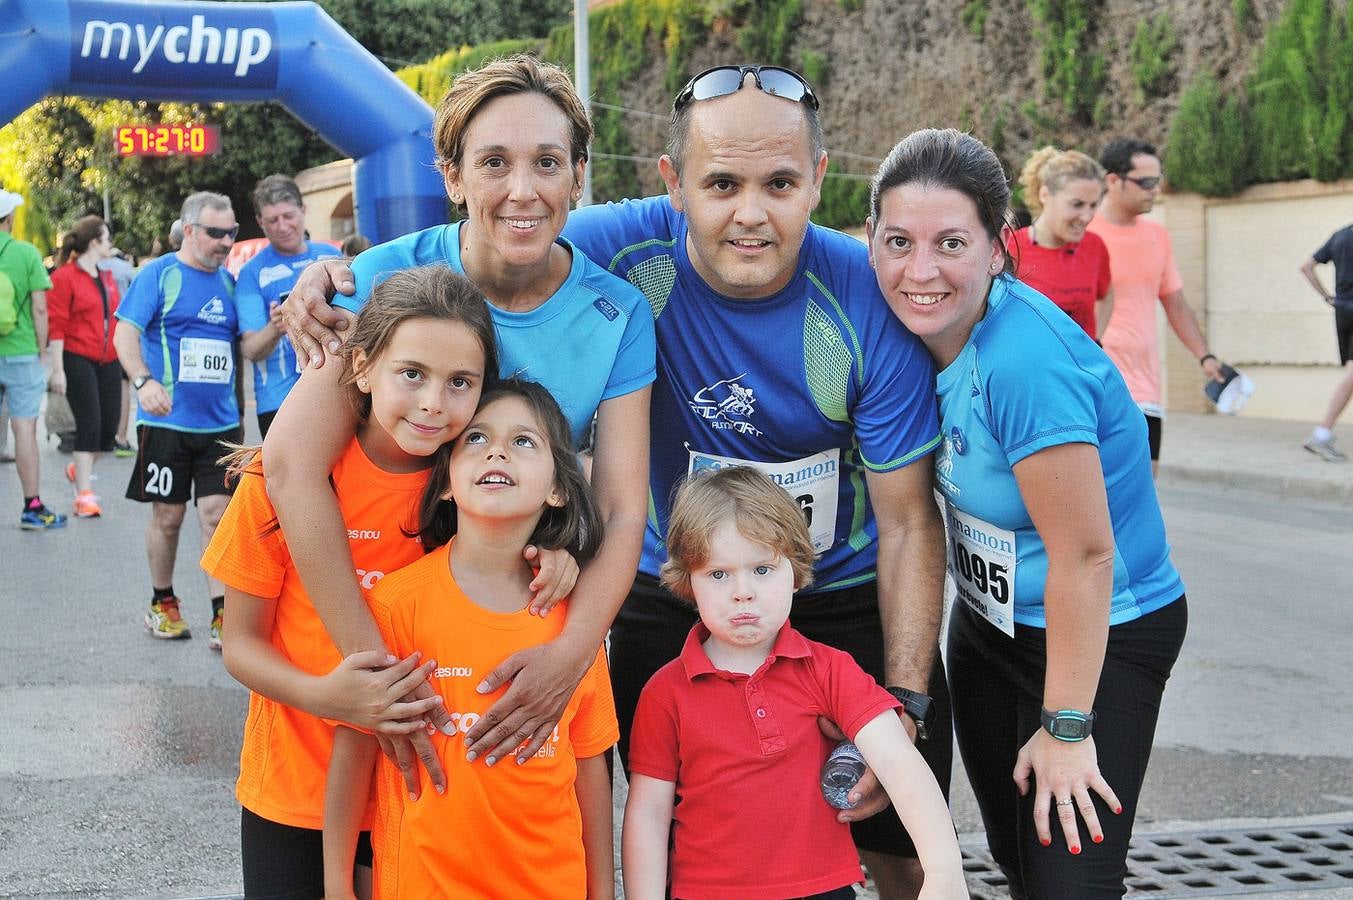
(1338, 250)
(177, 466)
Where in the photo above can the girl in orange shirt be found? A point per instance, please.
(502, 829)
(415, 366)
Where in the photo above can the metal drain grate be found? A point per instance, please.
(1211, 863)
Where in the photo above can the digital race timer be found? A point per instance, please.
(166, 140)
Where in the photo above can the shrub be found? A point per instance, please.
(1150, 52)
(1208, 150)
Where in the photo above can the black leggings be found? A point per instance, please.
(284, 862)
(94, 391)
(997, 688)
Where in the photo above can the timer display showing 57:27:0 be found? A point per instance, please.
(166, 140)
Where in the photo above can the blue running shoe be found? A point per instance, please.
(41, 519)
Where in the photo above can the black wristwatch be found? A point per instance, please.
(139, 382)
(919, 706)
(1070, 725)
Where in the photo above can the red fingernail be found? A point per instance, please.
(1118, 810)
(1075, 850)
(1045, 841)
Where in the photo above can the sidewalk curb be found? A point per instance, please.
(1284, 487)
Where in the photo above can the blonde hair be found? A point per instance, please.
(519, 74)
(759, 508)
(1053, 168)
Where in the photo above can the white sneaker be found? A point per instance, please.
(1325, 450)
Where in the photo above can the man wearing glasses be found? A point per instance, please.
(1143, 272)
(175, 339)
(775, 350)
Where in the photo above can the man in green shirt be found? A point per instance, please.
(24, 359)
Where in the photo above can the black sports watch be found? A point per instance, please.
(1070, 725)
(139, 382)
(919, 706)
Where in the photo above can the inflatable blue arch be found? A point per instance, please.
(203, 52)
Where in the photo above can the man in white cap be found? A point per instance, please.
(24, 359)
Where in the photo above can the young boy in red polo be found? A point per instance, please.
(730, 726)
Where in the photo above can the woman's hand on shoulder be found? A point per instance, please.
(1063, 771)
(556, 574)
(310, 321)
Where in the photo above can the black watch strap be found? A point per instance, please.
(139, 382)
(1069, 725)
(917, 705)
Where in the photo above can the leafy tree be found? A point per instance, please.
(1208, 150)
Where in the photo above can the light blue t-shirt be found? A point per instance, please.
(814, 385)
(590, 341)
(1029, 378)
(188, 326)
(262, 280)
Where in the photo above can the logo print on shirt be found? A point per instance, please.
(268, 274)
(944, 465)
(213, 311)
(727, 404)
(606, 309)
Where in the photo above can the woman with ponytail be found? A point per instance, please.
(80, 309)
(1056, 255)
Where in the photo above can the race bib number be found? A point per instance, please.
(982, 564)
(205, 361)
(813, 481)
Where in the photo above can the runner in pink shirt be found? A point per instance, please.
(1144, 272)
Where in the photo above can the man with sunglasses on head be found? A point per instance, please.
(175, 339)
(1142, 273)
(775, 350)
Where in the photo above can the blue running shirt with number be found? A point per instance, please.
(262, 280)
(814, 385)
(188, 325)
(1029, 378)
(590, 341)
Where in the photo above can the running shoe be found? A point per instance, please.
(123, 450)
(214, 638)
(1325, 450)
(41, 519)
(163, 620)
(87, 505)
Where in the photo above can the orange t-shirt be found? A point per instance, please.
(505, 831)
(1142, 264)
(286, 752)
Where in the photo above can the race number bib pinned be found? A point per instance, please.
(982, 564)
(813, 481)
(205, 361)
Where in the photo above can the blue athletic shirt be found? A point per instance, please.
(188, 326)
(1027, 379)
(813, 385)
(262, 280)
(590, 341)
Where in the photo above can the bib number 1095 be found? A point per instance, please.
(988, 577)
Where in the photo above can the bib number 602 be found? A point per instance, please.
(988, 577)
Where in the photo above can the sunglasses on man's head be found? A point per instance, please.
(1146, 183)
(720, 81)
(217, 233)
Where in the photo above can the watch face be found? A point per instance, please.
(1069, 728)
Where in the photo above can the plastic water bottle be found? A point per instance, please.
(841, 773)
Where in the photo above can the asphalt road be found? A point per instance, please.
(119, 752)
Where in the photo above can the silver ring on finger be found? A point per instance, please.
(1067, 802)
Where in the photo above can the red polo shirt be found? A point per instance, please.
(1073, 276)
(746, 756)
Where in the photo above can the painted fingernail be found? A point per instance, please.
(471, 756)
(1045, 841)
(490, 761)
(448, 729)
(1098, 838)
(521, 760)
(1118, 810)
(1075, 850)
